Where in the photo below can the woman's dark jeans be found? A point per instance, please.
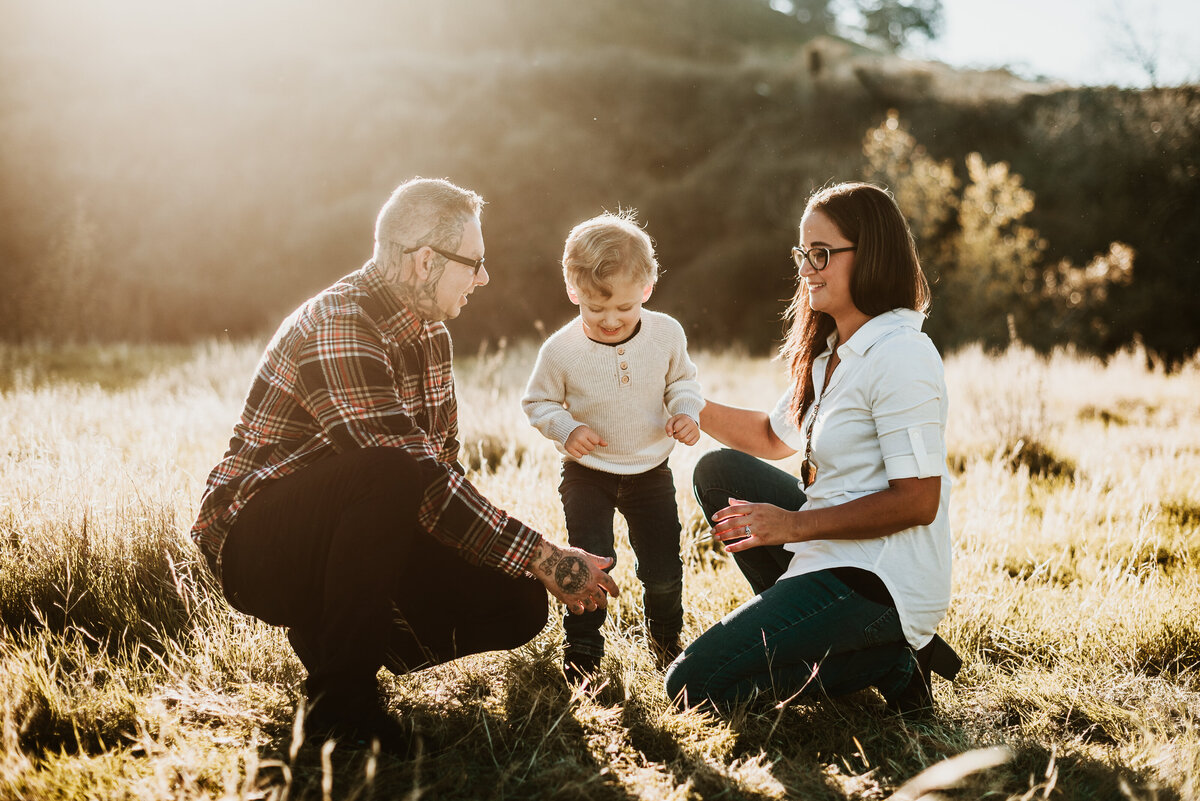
(803, 635)
(334, 553)
(647, 501)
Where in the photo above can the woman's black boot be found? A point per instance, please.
(917, 697)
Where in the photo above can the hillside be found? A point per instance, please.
(178, 171)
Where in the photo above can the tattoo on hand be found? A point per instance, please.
(571, 573)
(552, 559)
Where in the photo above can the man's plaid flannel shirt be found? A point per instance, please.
(354, 368)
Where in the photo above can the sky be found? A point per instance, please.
(1078, 41)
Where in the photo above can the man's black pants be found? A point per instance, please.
(334, 553)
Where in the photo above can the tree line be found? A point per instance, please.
(201, 179)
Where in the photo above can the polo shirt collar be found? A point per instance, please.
(878, 326)
(386, 310)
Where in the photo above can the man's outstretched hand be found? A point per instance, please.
(574, 576)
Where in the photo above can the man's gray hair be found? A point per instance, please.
(424, 211)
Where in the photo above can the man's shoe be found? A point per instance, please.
(917, 697)
(358, 730)
(579, 668)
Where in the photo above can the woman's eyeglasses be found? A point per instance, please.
(817, 257)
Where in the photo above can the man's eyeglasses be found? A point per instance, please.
(817, 257)
(475, 264)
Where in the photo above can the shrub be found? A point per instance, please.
(987, 266)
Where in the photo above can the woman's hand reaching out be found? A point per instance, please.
(743, 525)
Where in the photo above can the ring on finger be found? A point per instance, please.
(747, 530)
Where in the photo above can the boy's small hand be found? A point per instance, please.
(684, 428)
(582, 441)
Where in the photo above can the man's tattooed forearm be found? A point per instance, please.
(571, 573)
(552, 557)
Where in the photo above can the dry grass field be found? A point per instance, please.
(124, 675)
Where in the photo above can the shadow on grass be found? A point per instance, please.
(1080, 777)
(854, 746)
(684, 766)
(533, 737)
(532, 743)
(537, 738)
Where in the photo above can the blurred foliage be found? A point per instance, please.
(181, 170)
(894, 22)
(987, 266)
(891, 23)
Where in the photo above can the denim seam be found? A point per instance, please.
(867, 629)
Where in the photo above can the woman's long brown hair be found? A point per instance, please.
(887, 275)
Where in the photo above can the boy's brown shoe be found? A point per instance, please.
(579, 668)
(665, 652)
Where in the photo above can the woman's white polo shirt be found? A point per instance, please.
(883, 416)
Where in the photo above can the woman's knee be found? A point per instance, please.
(683, 683)
(675, 681)
(712, 465)
(713, 477)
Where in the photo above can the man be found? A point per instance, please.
(340, 509)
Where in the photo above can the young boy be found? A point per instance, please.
(613, 389)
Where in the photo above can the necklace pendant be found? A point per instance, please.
(808, 472)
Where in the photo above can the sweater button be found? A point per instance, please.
(624, 365)
(620, 351)
(624, 379)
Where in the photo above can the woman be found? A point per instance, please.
(852, 574)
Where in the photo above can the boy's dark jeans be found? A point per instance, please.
(334, 553)
(647, 501)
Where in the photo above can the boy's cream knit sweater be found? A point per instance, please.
(626, 392)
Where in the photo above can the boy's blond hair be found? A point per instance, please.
(608, 247)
